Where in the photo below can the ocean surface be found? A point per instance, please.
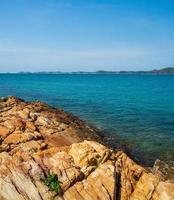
(137, 109)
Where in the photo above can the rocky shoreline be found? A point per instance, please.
(46, 153)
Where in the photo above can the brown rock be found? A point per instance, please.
(10, 124)
(19, 124)
(89, 153)
(163, 170)
(57, 140)
(3, 131)
(24, 114)
(164, 190)
(145, 187)
(8, 190)
(43, 121)
(29, 147)
(19, 137)
(30, 126)
(129, 173)
(99, 185)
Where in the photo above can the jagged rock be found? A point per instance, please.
(39, 141)
(164, 190)
(24, 114)
(100, 184)
(164, 170)
(20, 137)
(10, 124)
(88, 153)
(4, 131)
(145, 187)
(43, 121)
(129, 174)
(30, 126)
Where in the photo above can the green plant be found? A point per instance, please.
(52, 182)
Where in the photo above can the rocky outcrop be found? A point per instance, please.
(45, 155)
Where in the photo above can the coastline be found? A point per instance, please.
(39, 141)
(86, 131)
(90, 132)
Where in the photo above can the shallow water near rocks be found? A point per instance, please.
(137, 109)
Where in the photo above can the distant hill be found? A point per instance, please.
(167, 70)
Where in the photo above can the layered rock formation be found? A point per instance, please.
(45, 154)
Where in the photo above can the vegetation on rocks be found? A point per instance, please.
(52, 182)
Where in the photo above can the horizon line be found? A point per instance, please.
(97, 71)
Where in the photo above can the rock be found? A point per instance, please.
(29, 147)
(19, 125)
(129, 174)
(43, 121)
(30, 126)
(99, 185)
(62, 127)
(57, 140)
(24, 114)
(164, 190)
(41, 143)
(164, 170)
(4, 131)
(10, 124)
(145, 187)
(61, 164)
(18, 137)
(89, 153)
(34, 116)
(8, 190)
(28, 190)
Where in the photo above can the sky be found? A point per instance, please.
(86, 35)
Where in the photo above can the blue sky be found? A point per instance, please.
(73, 35)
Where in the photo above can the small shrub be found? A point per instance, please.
(52, 182)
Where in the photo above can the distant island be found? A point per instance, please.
(167, 70)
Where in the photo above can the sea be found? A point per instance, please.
(137, 109)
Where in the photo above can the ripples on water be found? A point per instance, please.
(138, 109)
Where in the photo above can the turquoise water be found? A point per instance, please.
(137, 109)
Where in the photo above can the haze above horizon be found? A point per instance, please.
(76, 35)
